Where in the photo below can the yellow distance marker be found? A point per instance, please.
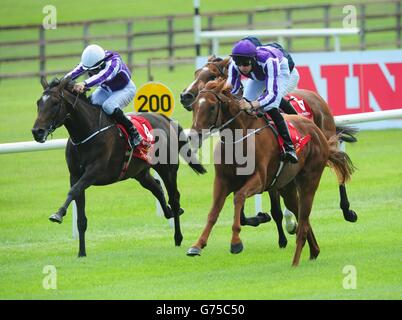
(154, 97)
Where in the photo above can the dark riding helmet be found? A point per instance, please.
(244, 52)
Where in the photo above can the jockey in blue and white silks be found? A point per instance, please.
(115, 89)
(269, 80)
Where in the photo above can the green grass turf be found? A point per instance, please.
(131, 254)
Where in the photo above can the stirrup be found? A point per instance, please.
(134, 142)
(291, 156)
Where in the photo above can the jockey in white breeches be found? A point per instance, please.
(269, 80)
(115, 88)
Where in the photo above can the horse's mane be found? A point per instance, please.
(69, 87)
(217, 59)
(219, 86)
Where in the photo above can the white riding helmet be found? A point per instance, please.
(92, 56)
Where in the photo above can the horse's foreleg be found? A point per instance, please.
(150, 183)
(81, 223)
(277, 214)
(220, 194)
(251, 187)
(86, 180)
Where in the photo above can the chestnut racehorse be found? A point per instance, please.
(322, 117)
(216, 107)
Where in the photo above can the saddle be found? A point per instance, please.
(298, 140)
(142, 151)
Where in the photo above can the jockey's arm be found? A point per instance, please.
(271, 69)
(76, 72)
(110, 70)
(234, 78)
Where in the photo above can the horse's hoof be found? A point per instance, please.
(178, 241)
(291, 229)
(291, 224)
(56, 218)
(283, 243)
(193, 251)
(253, 222)
(314, 255)
(236, 248)
(181, 211)
(263, 217)
(82, 255)
(169, 213)
(350, 216)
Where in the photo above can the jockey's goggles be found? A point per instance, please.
(243, 61)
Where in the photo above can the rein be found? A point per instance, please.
(230, 121)
(91, 135)
(213, 128)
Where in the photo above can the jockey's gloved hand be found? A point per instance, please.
(245, 105)
(79, 87)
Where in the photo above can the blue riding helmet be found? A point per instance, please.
(244, 48)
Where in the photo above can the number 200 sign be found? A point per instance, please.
(154, 97)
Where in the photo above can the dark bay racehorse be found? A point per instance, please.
(216, 107)
(95, 152)
(322, 116)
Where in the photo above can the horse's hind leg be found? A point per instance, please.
(261, 217)
(277, 214)
(289, 194)
(169, 177)
(307, 185)
(349, 215)
(150, 183)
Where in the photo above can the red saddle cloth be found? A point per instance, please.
(298, 140)
(300, 105)
(144, 128)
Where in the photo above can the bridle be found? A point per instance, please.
(218, 115)
(222, 73)
(55, 124)
(222, 126)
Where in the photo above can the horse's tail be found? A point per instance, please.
(339, 161)
(346, 133)
(187, 153)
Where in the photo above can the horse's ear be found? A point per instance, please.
(64, 82)
(211, 58)
(220, 85)
(225, 62)
(227, 88)
(44, 83)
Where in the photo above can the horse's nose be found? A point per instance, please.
(38, 134)
(186, 98)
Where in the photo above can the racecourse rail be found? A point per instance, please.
(27, 146)
(61, 143)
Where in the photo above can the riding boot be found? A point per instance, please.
(134, 136)
(287, 107)
(280, 123)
